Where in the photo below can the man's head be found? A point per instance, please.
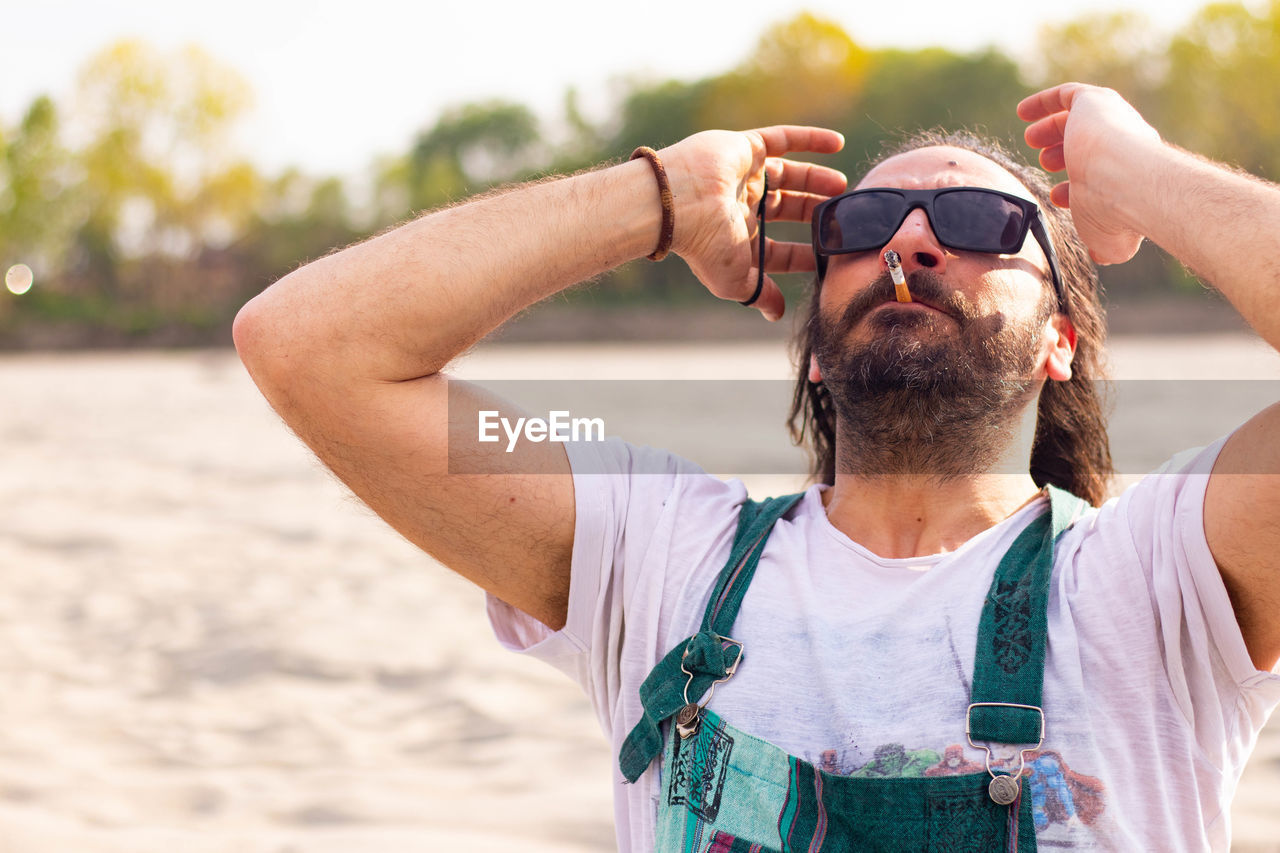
(983, 334)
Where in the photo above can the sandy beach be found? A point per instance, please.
(206, 644)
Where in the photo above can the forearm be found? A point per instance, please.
(1224, 225)
(402, 305)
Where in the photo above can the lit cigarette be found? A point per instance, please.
(895, 272)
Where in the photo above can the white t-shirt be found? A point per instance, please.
(861, 664)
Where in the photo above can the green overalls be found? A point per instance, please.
(724, 791)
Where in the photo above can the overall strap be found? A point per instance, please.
(693, 666)
(1008, 672)
(754, 523)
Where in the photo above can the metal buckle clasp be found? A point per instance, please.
(689, 716)
(1022, 754)
(728, 672)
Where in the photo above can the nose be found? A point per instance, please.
(917, 245)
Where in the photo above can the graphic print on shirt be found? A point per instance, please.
(954, 763)
(890, 760)
(893, 760)
(1059, 795)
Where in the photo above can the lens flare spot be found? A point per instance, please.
(19, 279)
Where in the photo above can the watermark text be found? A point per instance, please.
(558, 426)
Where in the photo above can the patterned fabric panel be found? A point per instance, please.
(726, 791)
(725, 843)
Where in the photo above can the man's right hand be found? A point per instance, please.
(350, 349)
(717, 177)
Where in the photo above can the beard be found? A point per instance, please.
(918, 396)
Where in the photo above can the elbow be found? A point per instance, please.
(288, 353)
(260, 333)
(247, 332)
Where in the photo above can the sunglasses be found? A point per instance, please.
(971, 219)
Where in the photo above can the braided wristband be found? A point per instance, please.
(668, 202)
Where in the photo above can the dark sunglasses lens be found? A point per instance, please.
(866, 220)
(979, 222)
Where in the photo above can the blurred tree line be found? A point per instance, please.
(141, 227)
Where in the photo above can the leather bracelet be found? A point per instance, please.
(668, 202)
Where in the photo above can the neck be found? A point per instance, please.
(909, 516)
(919, 514)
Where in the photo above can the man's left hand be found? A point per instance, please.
(1099, 139)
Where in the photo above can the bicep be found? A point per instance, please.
(503, 519)
(1242, 528)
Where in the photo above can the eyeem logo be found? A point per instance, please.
(558, 427)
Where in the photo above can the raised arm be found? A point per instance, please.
(349, 349)
(1123, 184)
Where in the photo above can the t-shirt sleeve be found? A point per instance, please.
(623, 496)
(1216, 687)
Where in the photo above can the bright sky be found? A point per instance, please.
(338, 82)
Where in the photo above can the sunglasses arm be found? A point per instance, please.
(1041, 233)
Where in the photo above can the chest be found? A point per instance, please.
(857, 669)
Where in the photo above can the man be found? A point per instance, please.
(899, 614)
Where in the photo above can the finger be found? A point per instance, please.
(1048, 101)
(771, 302)
(1061, 194)
(805, 177)
(791, 207)
(1053, 158)
(788, 257)
(1050, 130)
(783, 138)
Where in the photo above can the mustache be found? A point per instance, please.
(924, 285)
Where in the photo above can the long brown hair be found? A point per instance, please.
(1071, 448)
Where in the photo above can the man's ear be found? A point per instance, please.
(815, 374)
(1060, 341)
